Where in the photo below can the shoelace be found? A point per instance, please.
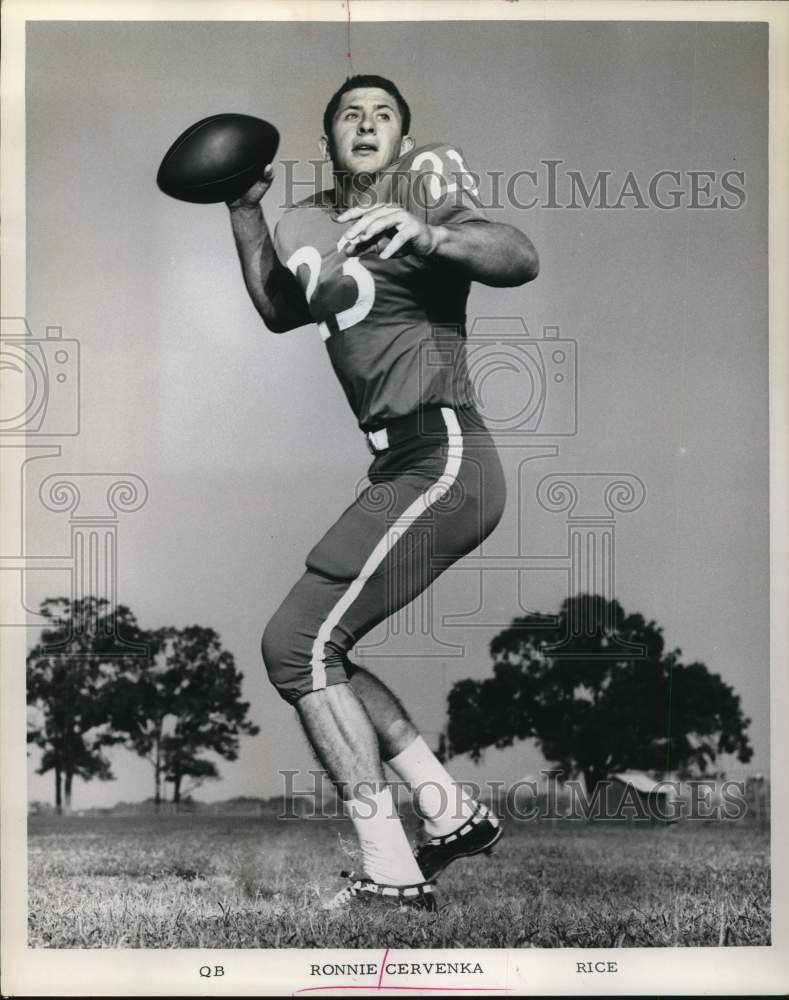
(480, 813)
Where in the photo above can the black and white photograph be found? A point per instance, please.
(394, 540)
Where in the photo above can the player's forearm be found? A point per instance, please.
(262, 270)
(490, 252)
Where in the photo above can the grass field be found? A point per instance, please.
(250, 882)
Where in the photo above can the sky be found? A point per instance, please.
(244, 439)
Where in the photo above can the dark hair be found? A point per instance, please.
(362, 80)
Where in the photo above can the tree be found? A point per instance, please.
(70, 673)
(183, 764)
(181, 701)
(138, 706)
(592, 708)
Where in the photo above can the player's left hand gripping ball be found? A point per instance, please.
(218, 158)
(388, 228)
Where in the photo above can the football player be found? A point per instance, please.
(382, 262)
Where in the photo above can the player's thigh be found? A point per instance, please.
(454, 523)
(347, 555)
(474, 505)
(358, 542)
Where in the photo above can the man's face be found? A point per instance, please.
(366, 132)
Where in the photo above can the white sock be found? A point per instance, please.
(387, 857)
(441, 801)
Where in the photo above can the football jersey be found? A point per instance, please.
(394, 329)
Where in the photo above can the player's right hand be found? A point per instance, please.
(252, 197)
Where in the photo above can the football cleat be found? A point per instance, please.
(364, 891)
(476, 836)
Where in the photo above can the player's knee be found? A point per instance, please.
(287, 657)
(276, 647)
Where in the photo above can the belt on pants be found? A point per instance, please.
(427, 423)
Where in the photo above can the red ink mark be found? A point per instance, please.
(383, 963)
(432, 989)
(348, 35)
(380, 985)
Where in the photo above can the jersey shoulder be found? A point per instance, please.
(434, 182)
(420, 158)
(302, 221)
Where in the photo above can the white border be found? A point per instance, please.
(681, 971)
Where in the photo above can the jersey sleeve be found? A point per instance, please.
(279, 239)
(443, 188)
(288, 287)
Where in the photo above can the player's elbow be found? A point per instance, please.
(279, 320)
(527, 264)
(275, 325)
(518, 261)
(517, 270)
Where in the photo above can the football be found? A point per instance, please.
(218, 158)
